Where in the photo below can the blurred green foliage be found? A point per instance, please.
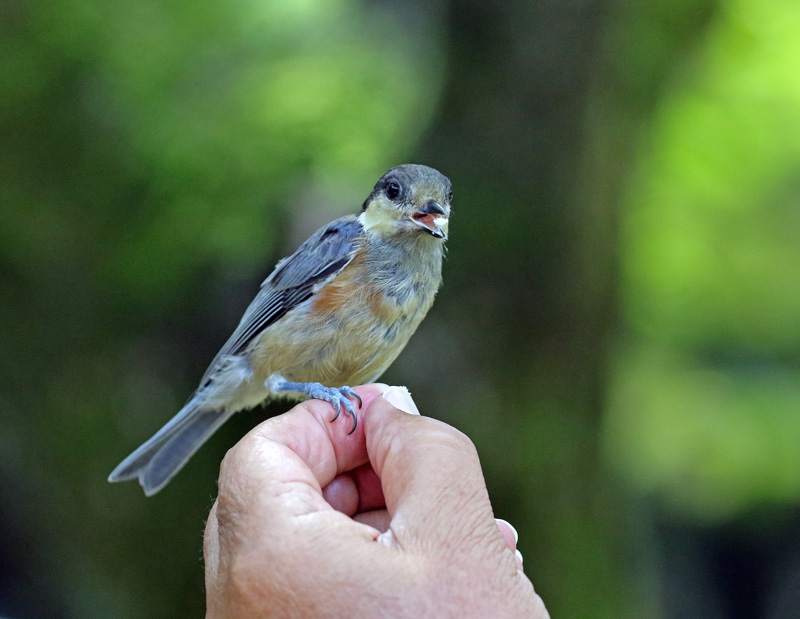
(176, 123)
(706, 397)
(621, 290)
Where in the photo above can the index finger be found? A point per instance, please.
(299, 449)
(270, 483)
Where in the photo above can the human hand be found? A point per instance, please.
(391, 521)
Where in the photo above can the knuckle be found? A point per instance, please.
(229, 484)
(229, 464)
(450, 438)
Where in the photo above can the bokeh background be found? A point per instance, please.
(619, 330)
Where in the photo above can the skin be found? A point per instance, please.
(391, 521)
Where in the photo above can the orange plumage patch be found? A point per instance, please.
(349, 287)
(331, 298)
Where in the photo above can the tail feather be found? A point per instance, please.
(160, 458)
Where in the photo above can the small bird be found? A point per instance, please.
(337, 311)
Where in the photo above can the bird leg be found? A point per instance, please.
(338, 397)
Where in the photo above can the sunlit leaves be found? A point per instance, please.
(711, 276)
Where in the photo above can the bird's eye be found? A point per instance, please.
(393, 190)
(450, 196)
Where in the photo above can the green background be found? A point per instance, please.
(619, 329)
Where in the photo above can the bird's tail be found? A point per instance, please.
(161, 457)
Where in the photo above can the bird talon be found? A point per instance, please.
(350, 412)
(338, 397)
(351, 393)
(344, 394)
(355, 422)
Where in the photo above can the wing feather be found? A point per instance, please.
(293, 280)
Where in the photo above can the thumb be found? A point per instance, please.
(431, 479)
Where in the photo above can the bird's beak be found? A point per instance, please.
(433, 219)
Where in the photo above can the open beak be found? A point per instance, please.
(433, 219)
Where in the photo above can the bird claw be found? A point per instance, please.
(339, 398)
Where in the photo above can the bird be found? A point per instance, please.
(337, 312)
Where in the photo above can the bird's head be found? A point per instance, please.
(409, 201)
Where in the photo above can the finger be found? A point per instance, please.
(355, 491)
(342, 494)
(378, 519)
(428, 468)
(300, 446)
(211, 555)
(370, 492)
(273, 478)
(211, 546)
(509, 533)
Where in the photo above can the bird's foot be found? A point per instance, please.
(339, 397)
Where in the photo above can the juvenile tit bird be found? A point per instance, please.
(337, 311)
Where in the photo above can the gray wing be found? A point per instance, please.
(293, 281)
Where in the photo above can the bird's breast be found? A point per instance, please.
(382, 293)
(352, 328)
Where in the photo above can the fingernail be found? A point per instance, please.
(510, 526)
(399, 397)
(518, 554)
